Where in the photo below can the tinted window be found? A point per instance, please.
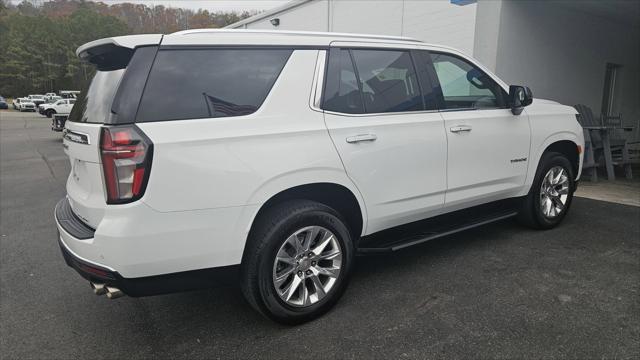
(94, 103)
(464, 86)
(341, 92)
(388, 80)
(202, 83)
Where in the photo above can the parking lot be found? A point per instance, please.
(500, 291)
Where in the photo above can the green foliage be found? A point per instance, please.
(37, 44)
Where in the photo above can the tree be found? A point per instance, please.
(38, 43)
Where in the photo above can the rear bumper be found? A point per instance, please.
(150, 285)
(142, 258)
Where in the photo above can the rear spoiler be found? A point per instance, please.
(115, 52)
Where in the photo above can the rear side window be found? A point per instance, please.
(204, 83)
(372, 81)
(388, 80)
(342, 93)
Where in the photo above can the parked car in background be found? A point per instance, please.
(62, 106)
(68, 94)
(49, 95)
(24, 104)
(285, 155)
(3, 103)
(37, 99)
(47, 105)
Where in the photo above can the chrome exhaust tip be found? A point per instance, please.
(98, 289)
(114, 293)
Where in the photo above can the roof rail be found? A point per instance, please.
(296, 33)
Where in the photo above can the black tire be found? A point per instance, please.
(531, 213)
(50, 113)
(267, 236)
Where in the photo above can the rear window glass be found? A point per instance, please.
(93, 105)
(204, 83)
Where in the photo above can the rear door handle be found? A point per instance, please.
(362, 137)
(460, 128)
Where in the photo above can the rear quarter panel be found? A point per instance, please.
(240, 161)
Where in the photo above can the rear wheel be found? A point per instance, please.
(297, 261)
(551, 194)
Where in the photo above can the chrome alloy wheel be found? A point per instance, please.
(307, 266)
(554, 192)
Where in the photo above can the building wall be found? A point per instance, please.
(433, 21)
(440, 22)
(378, 17)
(485, 47)
(311, 16)
(561, 53)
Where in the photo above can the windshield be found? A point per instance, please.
(94, 103)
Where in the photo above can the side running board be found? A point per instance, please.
(422, 231)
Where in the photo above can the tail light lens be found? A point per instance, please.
(126, 162)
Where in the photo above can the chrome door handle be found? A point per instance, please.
(363, 137)
(460, 128)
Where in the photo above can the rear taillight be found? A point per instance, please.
(126, 162)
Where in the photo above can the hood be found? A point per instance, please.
(550, 106)
(546, 101)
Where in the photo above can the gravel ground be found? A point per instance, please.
(500, 291)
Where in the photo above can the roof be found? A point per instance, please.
(270, 37)
(245, 37)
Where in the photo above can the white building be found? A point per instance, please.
(562, 49)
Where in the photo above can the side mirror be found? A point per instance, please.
(519, 97)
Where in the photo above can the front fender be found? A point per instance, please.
(538, 151)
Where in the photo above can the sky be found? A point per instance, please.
(223, 5)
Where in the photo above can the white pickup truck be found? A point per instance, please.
(62, 106)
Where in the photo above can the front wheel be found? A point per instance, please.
(297, 261)
(50, 113)
(551, 193)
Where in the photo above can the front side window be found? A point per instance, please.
(464, 86)
(388, 81)
(205, 83)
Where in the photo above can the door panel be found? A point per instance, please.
(488, 157)
(388, 135)
(487, 146)
(402, 173)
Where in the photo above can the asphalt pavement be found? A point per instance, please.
(499, 291)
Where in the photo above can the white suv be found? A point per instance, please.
(273, 158)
